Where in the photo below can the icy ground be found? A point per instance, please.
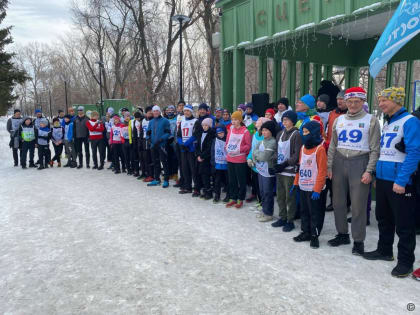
(89, 242)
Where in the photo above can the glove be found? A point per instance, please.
(315, 196)
(250, 163)
(280, 167)
(292, 190)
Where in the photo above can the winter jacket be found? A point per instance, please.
(159, 131)
(204, 144)
(374, 141)
(116, 134)
(400, 173)
(57, 135)
(96, 129)
(42, 135)
(257, 137)
(331, 119)
(68, 131)
(72, 118)
(13, 125)
(269, 153)
(249, 121)
(80, 128)
(134, 131)
(189, 144)
(244, 147)
(295, 146)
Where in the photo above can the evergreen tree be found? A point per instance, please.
(10, 75)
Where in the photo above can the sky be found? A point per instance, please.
(38, 20)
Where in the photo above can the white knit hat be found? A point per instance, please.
(156, 108)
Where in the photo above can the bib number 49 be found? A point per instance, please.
(354, 136)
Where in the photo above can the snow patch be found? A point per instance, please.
(368, 7)
(281, 33)
(260, 39)
(331, 18)
(304, 26)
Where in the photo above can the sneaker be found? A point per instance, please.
(51, 163)
(73, 165)
(80, 166)
(148, 179)
(279, 223)
(416, 274)
(32, 165)
(358, 249)
(95, 167)
(401, 271)
(251, 198)
(302, 237)
(184, 191)
(165, 184)
(288, 227)
(377, 255)
(226, 200)
(265, 218)
(231, 203)
(40, 168)
(154, 183)
(100, 168)
(329, 208)
(59, 164)
(239, 204)
(216, 199)
(196, 193)
(177, 185)
(314, 242)
(339, 239)
(24, 167)
(117, 172)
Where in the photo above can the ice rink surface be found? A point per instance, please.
(89, 242)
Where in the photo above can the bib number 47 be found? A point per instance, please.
(386, 139)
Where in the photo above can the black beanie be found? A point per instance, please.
(270, 125)
(324, 98)
(16, 111)
(290, 115)
(283, 100)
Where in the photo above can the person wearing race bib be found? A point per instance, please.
(158, 132)
(352, 156)
(81, 136)
(179, 118)
(126, 147)
(255, 188)
(187, 136)
(116, 141)
(171, 147)
(395, 193)
(219, 163)
(43, 137)
(69, 142)
(289, 143)
(238, 144)
(135, 140)
(108, 124)
(310, 180)
(203, 154)
(96, 139)
(263, 158)
(146, 162)
(57, 137)
(27, 134)
(13, 125)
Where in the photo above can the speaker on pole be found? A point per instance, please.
(261, 102)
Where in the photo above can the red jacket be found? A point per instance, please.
(96, 129)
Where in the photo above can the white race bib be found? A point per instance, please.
(353, 134)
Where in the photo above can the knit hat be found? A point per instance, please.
(395, 94)
(124, 109)
(148, 109)
(260, 121)
(270, 125)
(189, 108)
(242, 107)
(218, 109)
(37, 111)
(324, 98)
(55, 119)
(203, 106)
(110, 110)
(341, 94)
(43, 121)
(117, 117)
(67, 116)
(156, 108)
(308, 100)
(220, 128)
(291, 115)
(284, 101)
(250, 105)
(171, 107)
(271, 111)
(16, 111)
(207, 122)
(80, 108)
(355, 92)
(137, 115)
(237, 115)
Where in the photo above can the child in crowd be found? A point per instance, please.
(289, 143)
(27, 134)
(57, 137)
(116, 141)
(126, 144)
(96, 135)
(226, 121)
(263, 157)
(203, 154)
(238, 144)
(219, 163)
(69, 143)
(134, 132)
(311, 179)
(43, 136)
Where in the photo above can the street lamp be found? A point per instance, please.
(181, 19)
(101, 66)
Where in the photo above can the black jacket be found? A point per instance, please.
(204, 148)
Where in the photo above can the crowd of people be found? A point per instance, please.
(327, 144)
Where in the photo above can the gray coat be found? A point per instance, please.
(80, 128)
(13, 125)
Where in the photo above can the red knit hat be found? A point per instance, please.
(355, 92)
(271, 111)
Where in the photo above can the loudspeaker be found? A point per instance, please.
(261, 103)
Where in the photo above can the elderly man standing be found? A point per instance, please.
(395, 194)
(81, 136)
(352, 157)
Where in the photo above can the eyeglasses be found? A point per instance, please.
(354, 102)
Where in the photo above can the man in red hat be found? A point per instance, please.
(352, 156)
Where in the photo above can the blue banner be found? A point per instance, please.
(403, 26)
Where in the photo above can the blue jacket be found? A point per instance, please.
(400, 173)
(159, 131)
(68, 136)
(255, 139)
